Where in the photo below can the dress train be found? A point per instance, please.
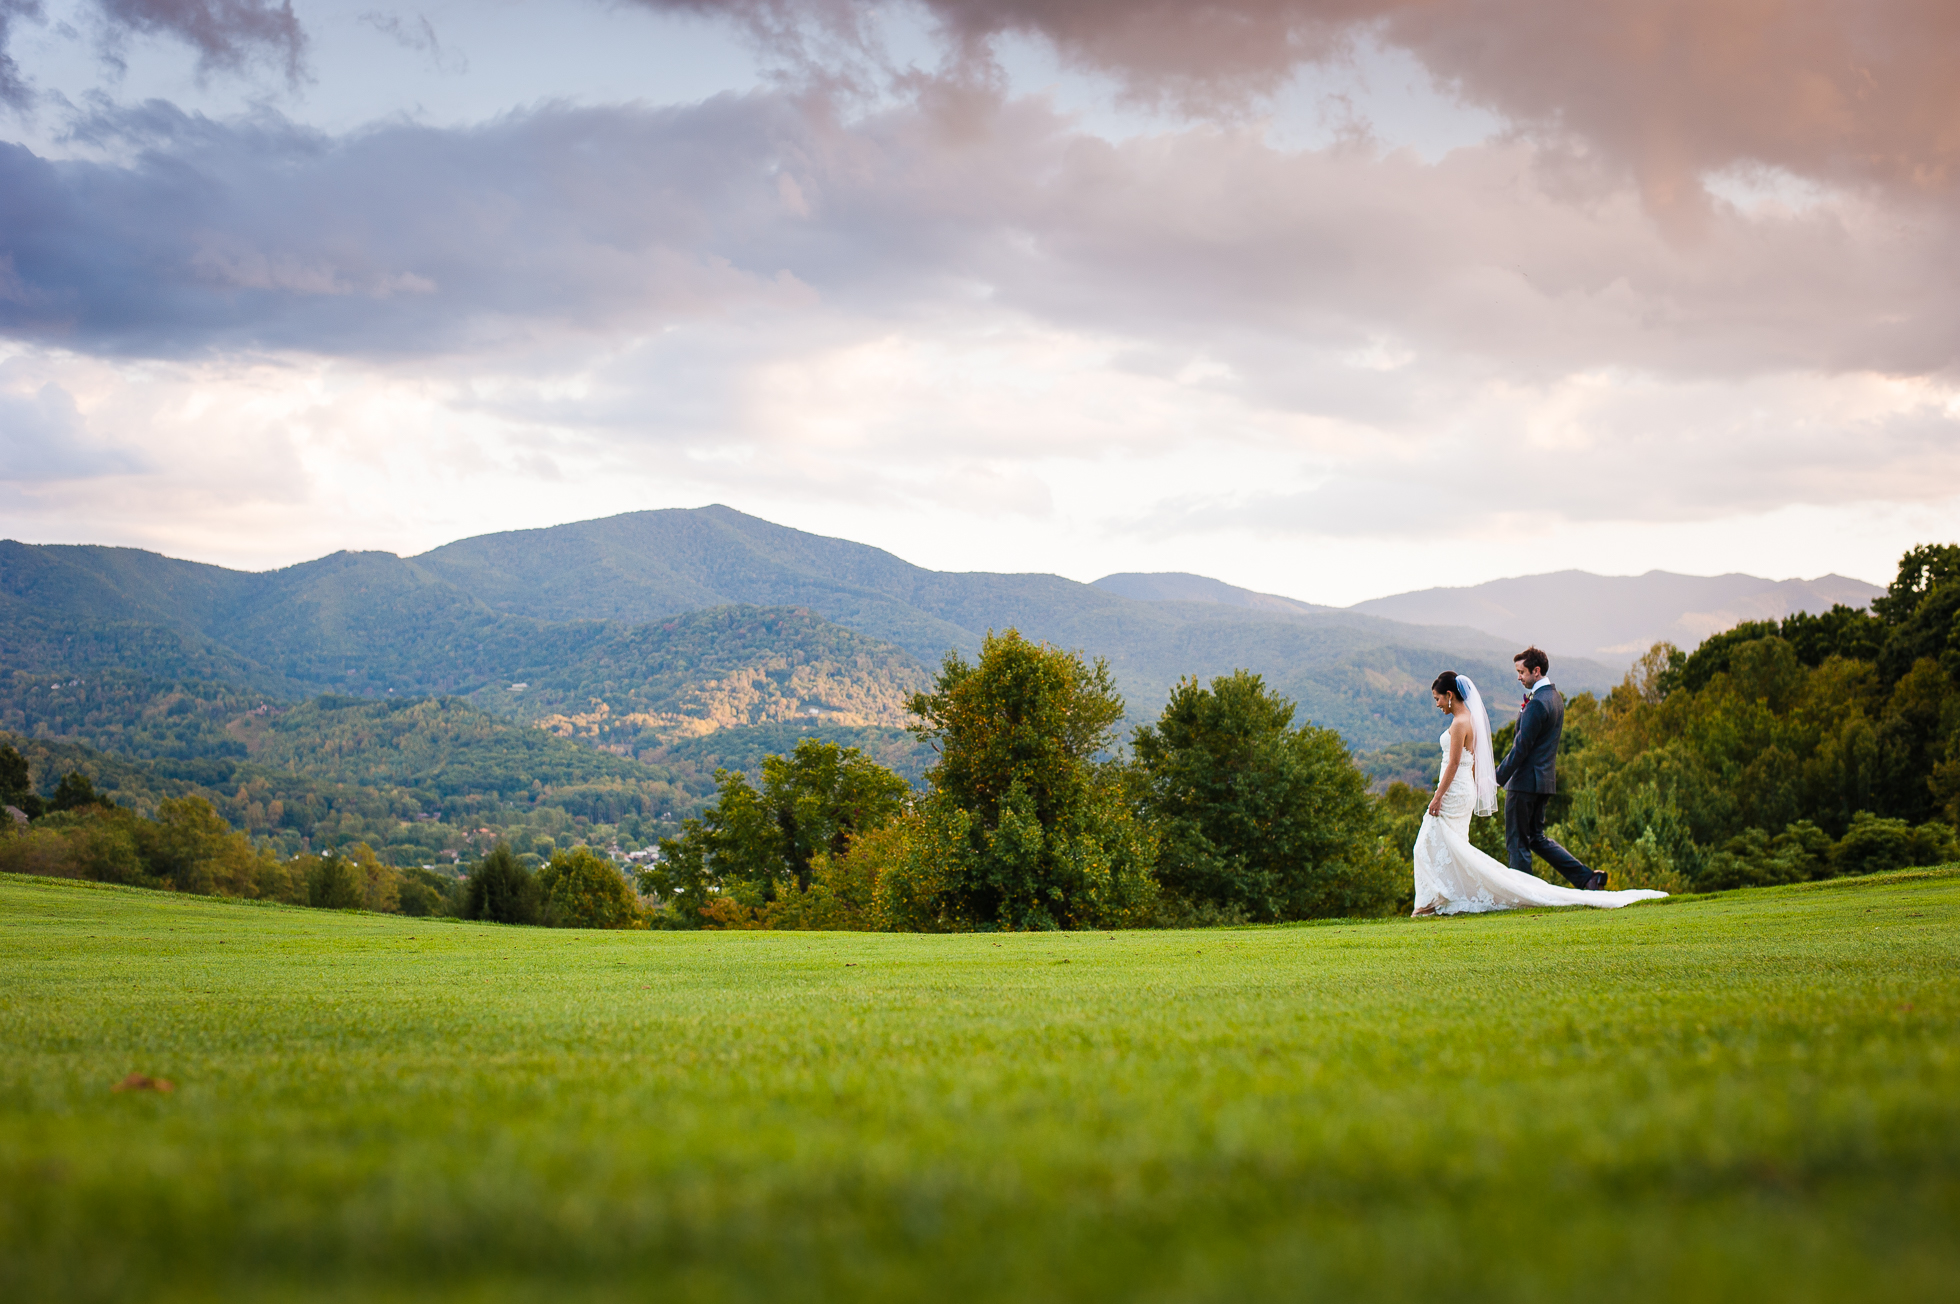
(1454, 878)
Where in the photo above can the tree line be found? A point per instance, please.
(189, 847)
(1774, 752)
(1225, 812)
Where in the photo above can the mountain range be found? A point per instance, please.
(659, 629)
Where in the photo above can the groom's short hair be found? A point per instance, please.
(1534, 660)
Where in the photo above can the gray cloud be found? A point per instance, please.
(225, 33)
(417, 34)
(1306, 274)
(14, 90)
(261, 234)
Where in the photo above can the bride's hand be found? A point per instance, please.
(1436, 804)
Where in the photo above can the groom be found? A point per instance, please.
(1527, 775)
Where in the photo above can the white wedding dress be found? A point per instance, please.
(1454, 878)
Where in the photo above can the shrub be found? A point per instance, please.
(502, 891)
(583, 890)
(93, 843)
(425, 892)
(1872, 845)
(843, 895)
(1754, 859)
(380, 882)
(912, 881)
(1933, 843)
(758, 848)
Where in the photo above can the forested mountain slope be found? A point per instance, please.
(372, 624)
(1361, 674)
(608, 624)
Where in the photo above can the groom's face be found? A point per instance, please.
(1526, 675)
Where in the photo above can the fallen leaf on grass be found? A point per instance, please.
(144, 1082)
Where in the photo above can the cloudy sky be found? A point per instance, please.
(1332, 298)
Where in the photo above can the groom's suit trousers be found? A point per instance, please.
(1524, 833)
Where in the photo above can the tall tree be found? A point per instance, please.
(1034, 831)
(500, 890)
(1255, 814)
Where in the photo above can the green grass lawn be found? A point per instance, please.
(1747, 1096)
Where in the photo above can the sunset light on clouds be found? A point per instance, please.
(1298, 295)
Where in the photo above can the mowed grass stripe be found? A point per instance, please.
(1754, 1095)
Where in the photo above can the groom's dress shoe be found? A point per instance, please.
(1597, 883)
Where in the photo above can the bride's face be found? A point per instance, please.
(1444, 702)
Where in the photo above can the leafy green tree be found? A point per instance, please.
(1251, 812)
(1025, 826)
(584, 890)
(1842, 631)
(188, 844)
(821, 796)
(1023, 713)
(1922, 570)
(333, 883)
(759, 846)
(1713, 655)
(502, 891)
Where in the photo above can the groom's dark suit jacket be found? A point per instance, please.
(1529, 766)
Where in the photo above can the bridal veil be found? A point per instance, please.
(1484, 767)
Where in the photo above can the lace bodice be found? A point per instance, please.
(1465, 768)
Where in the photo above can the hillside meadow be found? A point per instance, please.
(1753, 1095)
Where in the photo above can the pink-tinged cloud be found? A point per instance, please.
(410, 240)
(1852, 92)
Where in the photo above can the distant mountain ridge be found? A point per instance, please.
(1606, 618)
(1615, 618)
(1181, 586)
(559, 608)
(1360, 674)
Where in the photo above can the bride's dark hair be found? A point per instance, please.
(1446, 683)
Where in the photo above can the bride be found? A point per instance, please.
(1453, 877)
